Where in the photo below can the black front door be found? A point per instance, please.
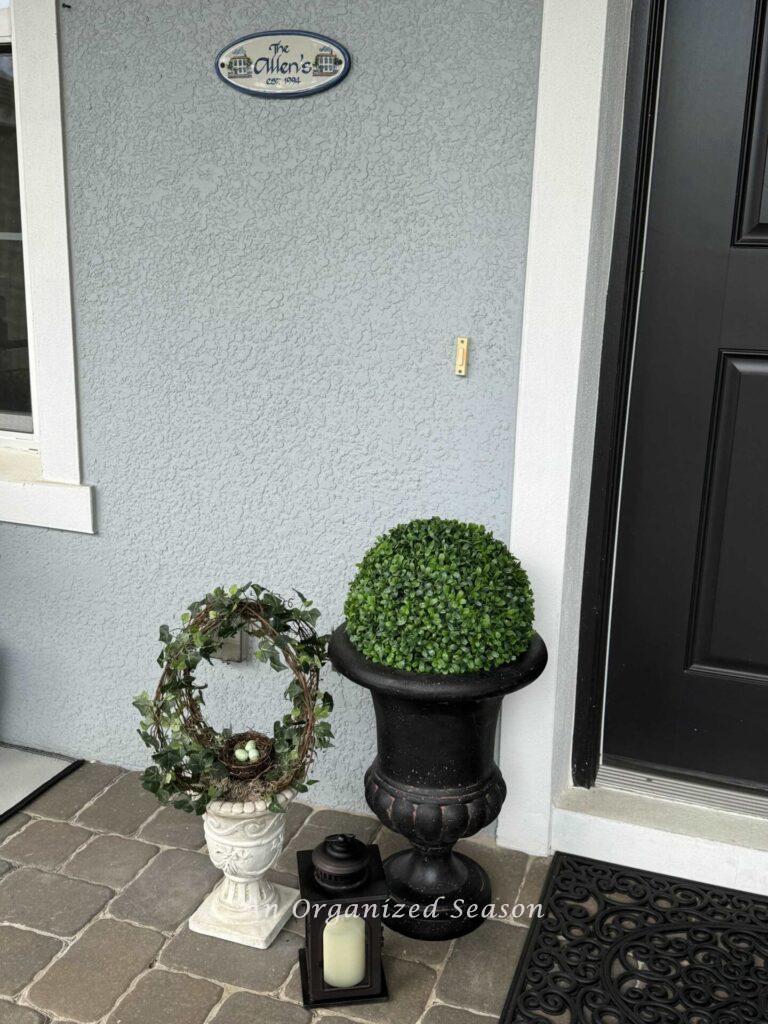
(687, 661)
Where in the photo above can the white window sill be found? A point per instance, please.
(27, 499)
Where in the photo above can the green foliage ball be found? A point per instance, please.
(441, 596)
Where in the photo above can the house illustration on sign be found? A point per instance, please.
(326, 62)
(240, 65)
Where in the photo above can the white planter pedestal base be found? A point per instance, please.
(248, 929)
(245, 840)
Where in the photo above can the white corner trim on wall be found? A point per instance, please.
(565, 192)
(39, 499)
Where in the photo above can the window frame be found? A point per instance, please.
(40, 476)
(10, 436)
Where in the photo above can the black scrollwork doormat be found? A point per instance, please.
(619, 946)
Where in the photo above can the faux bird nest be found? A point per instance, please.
(192, 763)
(245, 771)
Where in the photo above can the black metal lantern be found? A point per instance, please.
(344, 892)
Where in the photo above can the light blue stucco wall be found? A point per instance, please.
(266, 300)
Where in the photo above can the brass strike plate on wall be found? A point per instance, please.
(462, 357)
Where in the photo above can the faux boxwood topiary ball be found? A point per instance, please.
(441, 596)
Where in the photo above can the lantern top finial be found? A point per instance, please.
(340, 862)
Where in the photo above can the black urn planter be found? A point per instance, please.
(434, 779)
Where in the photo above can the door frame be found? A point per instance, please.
(580, 103)
(643, 67)
(583, 92)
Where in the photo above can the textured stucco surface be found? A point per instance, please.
(266, 299)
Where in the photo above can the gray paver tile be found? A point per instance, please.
(10, 1013)
(65, 799)
(13, 824)
(441, 1014)
(247, 1008)
(45, 844)
(390, 842)
(168, 891)
(533, 886)
(295, 817)
(404, 948)
(110, 860)
(289, 878)
(171, 827)
(505, 869)
(232, 963)
(50, 903)
(123, 808)
(335, 1020)
(22, 955)
(86, 982)
(162, 997)
(480, 967)
(295, 925)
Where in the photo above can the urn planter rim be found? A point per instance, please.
(467, 686)
(248, 808)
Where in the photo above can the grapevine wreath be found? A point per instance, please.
(192, 762)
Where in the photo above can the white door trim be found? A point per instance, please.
(575, 172)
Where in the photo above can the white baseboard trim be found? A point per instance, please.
(712, 846)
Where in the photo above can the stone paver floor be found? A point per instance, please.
(97, 882)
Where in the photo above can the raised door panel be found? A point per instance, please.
(729, 634)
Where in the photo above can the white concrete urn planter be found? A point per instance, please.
(245, 840)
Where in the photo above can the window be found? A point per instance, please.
(15, 392)
(325, 62)
(40, 476)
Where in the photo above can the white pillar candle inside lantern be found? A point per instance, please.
(344, 951)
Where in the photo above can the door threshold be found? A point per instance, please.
(683, 791)
(705, 844)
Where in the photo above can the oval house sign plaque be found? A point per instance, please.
(282, 65)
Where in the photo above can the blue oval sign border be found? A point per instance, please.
(285, 95)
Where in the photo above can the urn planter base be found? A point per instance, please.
(249, 928)
(458, 884)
